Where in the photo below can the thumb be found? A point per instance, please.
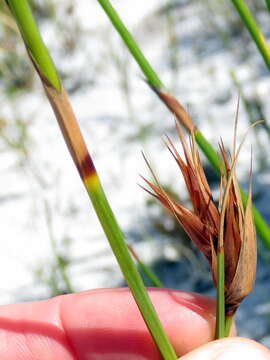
(229, 349)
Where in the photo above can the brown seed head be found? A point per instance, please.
(240, 248)
(203, 224)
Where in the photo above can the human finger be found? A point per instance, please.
(230, 349)
(104, 324)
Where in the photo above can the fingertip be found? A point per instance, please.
(229, 349)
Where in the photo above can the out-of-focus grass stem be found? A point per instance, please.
(58, 258)
(268, 4)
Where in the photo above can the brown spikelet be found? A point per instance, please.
(205, 222)
(244, 271)
(202, 223)
(240, 248)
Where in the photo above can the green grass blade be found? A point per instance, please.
(76, 145)
(155, 82)
(253, 28)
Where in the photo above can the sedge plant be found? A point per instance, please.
(226, 236)
(67, 121)
(177, 109)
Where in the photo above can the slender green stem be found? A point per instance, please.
(228, 325)
(209, 151)
(268, 4)
(132, 45)
(220, 313)
(261, 226)
(254, 30)
(147, 271)
(151, 276)
(153, 79)
(75, 142)
(58, 258)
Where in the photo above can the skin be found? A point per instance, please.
(106, 325)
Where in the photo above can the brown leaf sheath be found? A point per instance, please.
(175, 107)
(71, 131)
(68, 124)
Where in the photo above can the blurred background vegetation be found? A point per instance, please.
(51, 241)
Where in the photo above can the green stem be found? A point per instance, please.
(253, 29)
(209, 151)
(220, 313)
(261, 226)
(153, 79)
(151, 276)
(132, 45)
(228, 325)
(21, 11)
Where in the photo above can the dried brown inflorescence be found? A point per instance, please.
(229, 228)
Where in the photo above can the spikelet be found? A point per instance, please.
(240, 248)
(230, 228)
